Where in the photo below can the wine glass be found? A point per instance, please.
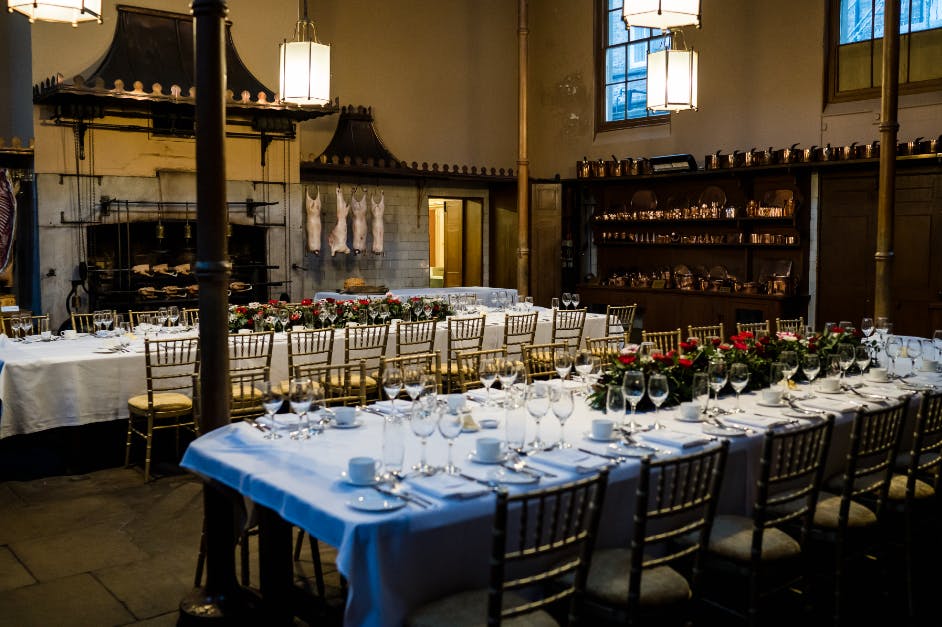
(562, 361)
(449, 425)
(811, 366)
(284, 316)
(561, 402)
(646, 351)
(790, 359)
(423, 422)
(173, 314)
(412, 381)
(506, 373)
(162, 315)
(107, 320)
(861, 358)
(633, 388)
(574, 299)
(332, 313)
(658, 389)
(866, 326)
(777, 375)
(429, 386)
(718, 373)
(913, 352)
(537, 405)
(585, 363)
(615, 402)
(427, 310)
(487, 373)
(96, 320)
(392, 384)
(300, 397)
(700, 391)
(567, 299)
(554, 303)
(845, 353)
(322, 316)
(272, 400)
(738, 379)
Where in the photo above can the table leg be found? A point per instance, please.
(276, 568)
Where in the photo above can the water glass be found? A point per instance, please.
(738, 379)
(567, 298)
(811, 366)
(562, 404)
(790, 359)
(554, 303)
(487, 373)
(861, 358)
(700, 391)
(394, 446)
(658, 391)
(615, 402)
(392, 384)
(633, 389)
(538, 404)
(845, 353)
(574, 299)
(718, 374)
(449, 425)
(272, 400)
(300, 396)
(423, 421)
(562, 361)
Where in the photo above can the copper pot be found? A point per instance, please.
(613, 167)
(598, 169)
(583, 169)
(712, 162)
(868, 151)
(789, 155)
(750, 287)
(810, 154)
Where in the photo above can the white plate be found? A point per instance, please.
(681, 418)
(375, 502)
(350, 425)
(473, 456)
(779, 404)
(346, 479)
(503, 475)
(877, 380)
(588, 436)
(723, 432)
(830, 391)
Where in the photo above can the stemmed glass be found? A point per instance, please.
(271, 401)
(392, 384)
(332, 313)
(633, 389)
(412, 381)
(487, 373)
(284, 316)
(658, 389)
(845, 353)
(866, 326)
(893, 347)
(562, 361)
(425, 416)
(506, 373)
(429, 386)
(567, 299)
(97, 321)
(449, 425)
(107, 319)
(861, 358)
(162, 316)
(913, 352)
(615, 402)
(585, 363)
(562, 404)
(537, 405)
(427, 310)
(718, 374)
(575, 300)
(811, 366)
(322, 316)
(300, 398)
(173, 314)
(738, 379)
(790, 359)
(700, 391)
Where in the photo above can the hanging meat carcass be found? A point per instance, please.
(359, 221)
(313, 220)
(378, 209)
(337, 240)
(7, 219)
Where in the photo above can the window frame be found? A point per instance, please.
(832, 93)
(601, 39)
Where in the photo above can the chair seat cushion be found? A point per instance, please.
(369, 382)
(609, 574)
(283, 387)
(243, 392)
(164, 402)
(921, 489)
(732, 538)
(828, 509)
(467, 609)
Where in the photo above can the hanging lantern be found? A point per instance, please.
(663, 14)
(69, 11)
(672, 80)
(305, 66)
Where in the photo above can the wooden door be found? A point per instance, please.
(503, 238)
(545, 241)
(473, 262)
(454, 243)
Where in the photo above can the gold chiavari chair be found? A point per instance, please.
(134, 317)
(249, 366)
(620, 319)
(342, 384)
(756, 328)
(38, 325)
(538, 360)
(465, 333)
(705, 332)
(568, 325)
(606, 348)
(191, 316)
(415, 337)
(469, 366)
(429, 363)
(366, 342)
(85, 322)
(519, 330)
(171, 367)
(791, 325)
(664, 341)
(307, 347)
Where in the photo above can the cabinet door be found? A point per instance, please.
(545, 241)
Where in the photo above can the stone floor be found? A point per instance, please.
(105, 548)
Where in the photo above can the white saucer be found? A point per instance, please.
(488, 423)
(681, 418)
(503, 475)
(346, 479)
(376, 502)
(588, 436)
(830, 391)
(473, 456)
(723, 432)
(779, 404)
(350, 425)
(877, 380)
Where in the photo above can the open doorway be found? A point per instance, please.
(455, 228)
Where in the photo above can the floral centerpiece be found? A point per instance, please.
(758, 353)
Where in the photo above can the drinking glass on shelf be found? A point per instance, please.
(718, 374)
(487, 373)
(811, 366)
(449, 425)
(574, 299)
(738, 379)
(271, 400)
(658, 390)
(392, 384)
(562, 361)
(561, 403)
(633, 389)
(554, 303)
(299, 398)
(173, 314)
(537, 405)
(790, 359)
(845, 353)
(913, 352)
(423, 422)
(861, 358)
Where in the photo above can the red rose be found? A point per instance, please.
(836, 330)
(273, 301)
(665, 359)
(760, 349)
(686, 346)
(686, 363)
(764, 339)
(295, 316)
(305, 302)
(740, 345)
(724, 347)
(364, 301)
(627, 359)
(747, 335)
(250, 322)
(716, 341)
(693, 341)
(331, 300)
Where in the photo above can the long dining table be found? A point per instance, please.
(402, 552)
(71, 382)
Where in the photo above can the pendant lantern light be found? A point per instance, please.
(672, 78)
(663, 14)
(67, 11)
(305, 65)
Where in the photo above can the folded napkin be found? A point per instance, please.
(386, 407)
(442, 486)
(757, 422)
(674, 438)
(570, 459)
(480, 395)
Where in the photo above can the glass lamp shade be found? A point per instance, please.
(672, 80)
(305, 73)
(661, 14)
(68, 11)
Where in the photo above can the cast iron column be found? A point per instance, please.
(523, 163)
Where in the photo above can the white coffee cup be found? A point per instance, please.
(877, 374)
(602, 428)
(68, 334)
(772, 396)
(47, 335)
(830, 384)
(345, 415)
(362, 470)
(455, 403)
(487, 449)
(690, 411)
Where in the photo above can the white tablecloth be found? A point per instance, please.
(485, 295)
